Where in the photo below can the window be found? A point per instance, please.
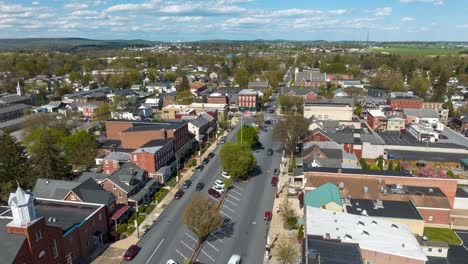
(429, 249)
(439, 250)
(368, 262)
(70, 240)
(41, 254)
(120, 195)
(431, 218)
(94, 223)
(135, 157)
(107, 164)
(38, 235)
(55, 249)
(113, 186)
(86, 229)
(100, 216)
(73, 197)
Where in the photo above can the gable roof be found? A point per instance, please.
(124, 179)
(299, 91)
(422, 113)
(91, 192)
(199, 121)
(10, 244)
(323, 195)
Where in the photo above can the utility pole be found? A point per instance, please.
(242, 125)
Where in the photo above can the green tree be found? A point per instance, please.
(398, 167)
(363, 163)
(449, 106)
(390, 166)
(357, 110)
(241, 77)
(87, 78)
(395, 83)
(80, 148)
(184, 85)
(237, 158)
(102, 113)
(74, 76)
(248, 134)
(202, 217)
(440, 87)
(47, 153)
(290, 131)
(420, 86)
(14, 166)
(291, 104)
(355, 92)
(380, 162)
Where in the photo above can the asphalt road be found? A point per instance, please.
(459, 254)
(429, 156)
(244, 232)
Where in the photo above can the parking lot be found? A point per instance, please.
(214, 244)
(397, 138)
(459, 254)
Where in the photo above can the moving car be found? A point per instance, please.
(218, 188)
(235, 259)
(267, 216)
(214, 193)
(131, 252)
(186, 184)
(206, 160)
(274, 181)
(199, 168)
(219, 183)
(276, 172)
(199, 186)
(226, 175)
(270, 152)
(211, 155)
(178, 194)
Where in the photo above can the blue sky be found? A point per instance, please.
(185, 20)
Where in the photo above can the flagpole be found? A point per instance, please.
(242, 124)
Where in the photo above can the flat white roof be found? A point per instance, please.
(149, 149)
(207, 105)
(370, 233)
(376, 112)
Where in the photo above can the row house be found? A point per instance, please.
(248, 100)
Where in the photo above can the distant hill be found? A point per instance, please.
(67, 44)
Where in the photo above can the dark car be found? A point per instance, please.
(274, 181)
(211, 155)
(267, 216)
(132, 251)
(276, 172)
(206, 160)
(178, 194)
(403, 131)
(199, 168)
(186, 184)
(270, 152)
(200, 186)
(214, 193)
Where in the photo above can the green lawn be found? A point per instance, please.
(441, 234)
(419, 51)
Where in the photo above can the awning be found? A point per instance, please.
(119, 212)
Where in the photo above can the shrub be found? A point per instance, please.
(159, 195)
(193, 162)
(141, 218)
(292, 222)
(149, 209)
(450, 173)
(300, 233)
(122, 228)
(141, 209)
(172, 182)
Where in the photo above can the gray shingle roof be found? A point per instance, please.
(298, 90)
(200, 121)
(422, 113)
(310, 76)
(53, 189)
(10, 244)
(14, 98)
(12, 108)
(124, 180)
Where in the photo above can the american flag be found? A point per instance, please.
(246, 114)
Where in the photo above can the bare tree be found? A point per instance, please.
(290, 131)
(355, 92)
(202, 217)
(285, 252)
(260, 118)
(286, 210)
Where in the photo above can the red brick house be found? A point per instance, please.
(35, 230)
(376, 119)
(217, 99)
(402, 103)
(153, 155)
(248, 100)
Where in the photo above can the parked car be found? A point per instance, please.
(254, 124)
(267, 216)
(178, 194)
(222, 140)
(219, 189)
(214, 193)
(171, 261)
(211, 155)
(186, 184)
(219, 183)
(274, 181)
(403, 131)
(199, 186)
(131, 252)
(265, 129)
(199, 168)
(234, 259)
(270, 152)
(226, 175)
(276, 172)
(205, 161)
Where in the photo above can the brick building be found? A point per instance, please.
(35, 230)
(248, 100)
(217, 99)
(154, 155)
(404, 102)
(376, 119)
(310, 79)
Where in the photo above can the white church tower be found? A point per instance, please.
(19, 89)
(22, 206)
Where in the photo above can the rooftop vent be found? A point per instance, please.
(374, 222)
(394, 226)
(431, 190)
(365, 233)
(365, 189)
(347, 236)
(360, 223)
(378, 204)
(341, 185)
(403, 245)
(364, 212)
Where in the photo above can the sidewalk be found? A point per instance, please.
(277, 230)
(114, 253)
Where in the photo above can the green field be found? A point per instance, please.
(419, 50)
(442, 234)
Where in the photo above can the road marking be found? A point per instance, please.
(233, 197)
(191, 237)
(238, 193)
(186, 245)
(225, 206)
(180, 254)
(465, 247)
(213, 198)
(208, 255)
(239, 187)
(225, 214)
(230, 202)
(155, 251)
(212, 246)
(217, 238)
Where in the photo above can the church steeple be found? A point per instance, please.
(22, 206)
(19, 89)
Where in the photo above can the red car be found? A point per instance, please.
(274, 181)
(132, 251)
(178, 194)
(214, 193)
(267, 216)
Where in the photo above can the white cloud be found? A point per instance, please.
(434, 2)
(462, 26)
(391, 28)
(36, 3)
(46, 15)
(75, 6)
(181, 19)
(385, 11)
(133, 7)
(407, 19)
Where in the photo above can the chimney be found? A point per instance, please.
(327, 235)
(340, 170)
